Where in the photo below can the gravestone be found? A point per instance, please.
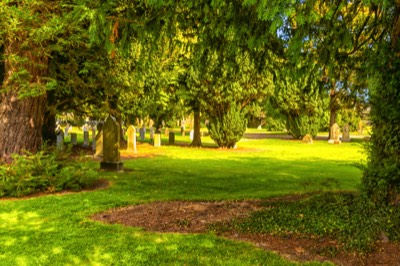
(335, 134)
(99, 141)
(143, 133)
(85, 138)
(60, 140)
(191, 135)
(131, 139)
(157, 139)
(111, 138)
(308, 139)
(74, 138)
(151, 134)
(346, 133)
(171, 138)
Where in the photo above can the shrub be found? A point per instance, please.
(300, 125)
(355, 220)
(227, 128)
(47, 170)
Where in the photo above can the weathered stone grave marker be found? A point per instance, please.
(171, 138)
(99, 141)
(74, 138)
(142, 133)
(131, 139)
(157, 139)
(346, 133)
(60, 140)
(111, 138)
(335, 134)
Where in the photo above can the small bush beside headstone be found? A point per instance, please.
(48, 170)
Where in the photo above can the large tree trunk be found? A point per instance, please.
(196, 128)
(21, 120)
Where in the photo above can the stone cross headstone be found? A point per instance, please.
(335, 134)
(99, 141)
(60, 140)
(171, 139)
(131, 139)
(74, 138)
(346, 133)
(111, 138)
(157, 140)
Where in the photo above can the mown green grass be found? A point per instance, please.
(57, 229)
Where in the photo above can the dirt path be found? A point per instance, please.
(197, 217)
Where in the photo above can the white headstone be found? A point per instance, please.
(191, 135)
(131, 139)
(157, 140)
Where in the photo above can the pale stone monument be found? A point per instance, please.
(191, 135)
(335, 134)
(131, 139)
(157, 139)
(346, 133)
(308, 139)
(111, 138)
(99, 141)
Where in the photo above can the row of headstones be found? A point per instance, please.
(97, 138)
(335, 134)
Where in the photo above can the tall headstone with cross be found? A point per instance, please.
(111, 137)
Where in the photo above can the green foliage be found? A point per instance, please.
(298, 125)
(298, 97)
(227, 128)
(354, 220)
(382, 175)
(49, 171)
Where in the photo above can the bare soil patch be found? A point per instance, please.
(197, 217)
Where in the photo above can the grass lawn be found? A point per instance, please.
(57, 229)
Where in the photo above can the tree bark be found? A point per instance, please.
(333, 108)
(196, 130)
(21, 120)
